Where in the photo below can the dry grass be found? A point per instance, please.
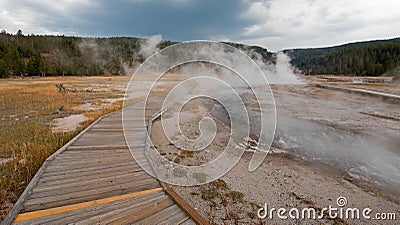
(26, 139)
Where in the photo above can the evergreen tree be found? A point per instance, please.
(33, 67)
(3, 69)
(361, 59)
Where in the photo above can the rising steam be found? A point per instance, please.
(283, 73)
(149, 46)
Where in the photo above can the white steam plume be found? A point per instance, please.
(150, 45)
(283, 73)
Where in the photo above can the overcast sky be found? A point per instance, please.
(273, 24)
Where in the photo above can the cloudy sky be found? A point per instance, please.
(274, 24)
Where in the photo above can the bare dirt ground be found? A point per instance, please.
(328, 144)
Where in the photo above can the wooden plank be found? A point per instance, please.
(137, 214)
(109, 126)
(385, 96)
(91, 155)
(118, 133)
(116, 130)
(170, 215)
(54, 171)
(48, 212)
(88, 195)
(177, 218)
(96, 147)
(71, 159)
(60, 175)
(136, 145)
(95, 152)
(56, 189)
(54, 168)
(119, 213)
(59, 167)
(103, 138)
(105, 157)
(85, 213)
(108, 137)
(89, 164)
(70, 193)
(188, 222)
(76, 179)
(97, 157)
(100, 141)
(196, 216)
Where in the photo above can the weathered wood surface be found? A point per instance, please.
(385, 96)
(95, 180)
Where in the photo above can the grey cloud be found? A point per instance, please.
(281, 23)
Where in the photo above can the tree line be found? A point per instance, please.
(371, 58)
(47, 55)
(255, 52)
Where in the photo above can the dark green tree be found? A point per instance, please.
(361, 59)
(14, 60)
(3, 69)
(44, 66)
(33, 67)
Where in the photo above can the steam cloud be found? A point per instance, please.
(355, 153)
(280, 73)
(149, 47)
(283, 73)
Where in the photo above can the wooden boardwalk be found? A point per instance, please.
(385, 96)
(95, 180)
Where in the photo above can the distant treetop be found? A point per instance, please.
(370, 58)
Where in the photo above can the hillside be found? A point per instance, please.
(370, 58)
(32, 55)
(257, 53)
(60, 55)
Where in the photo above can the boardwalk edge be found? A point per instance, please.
(18, 205)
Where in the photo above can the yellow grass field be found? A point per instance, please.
(27, 107)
